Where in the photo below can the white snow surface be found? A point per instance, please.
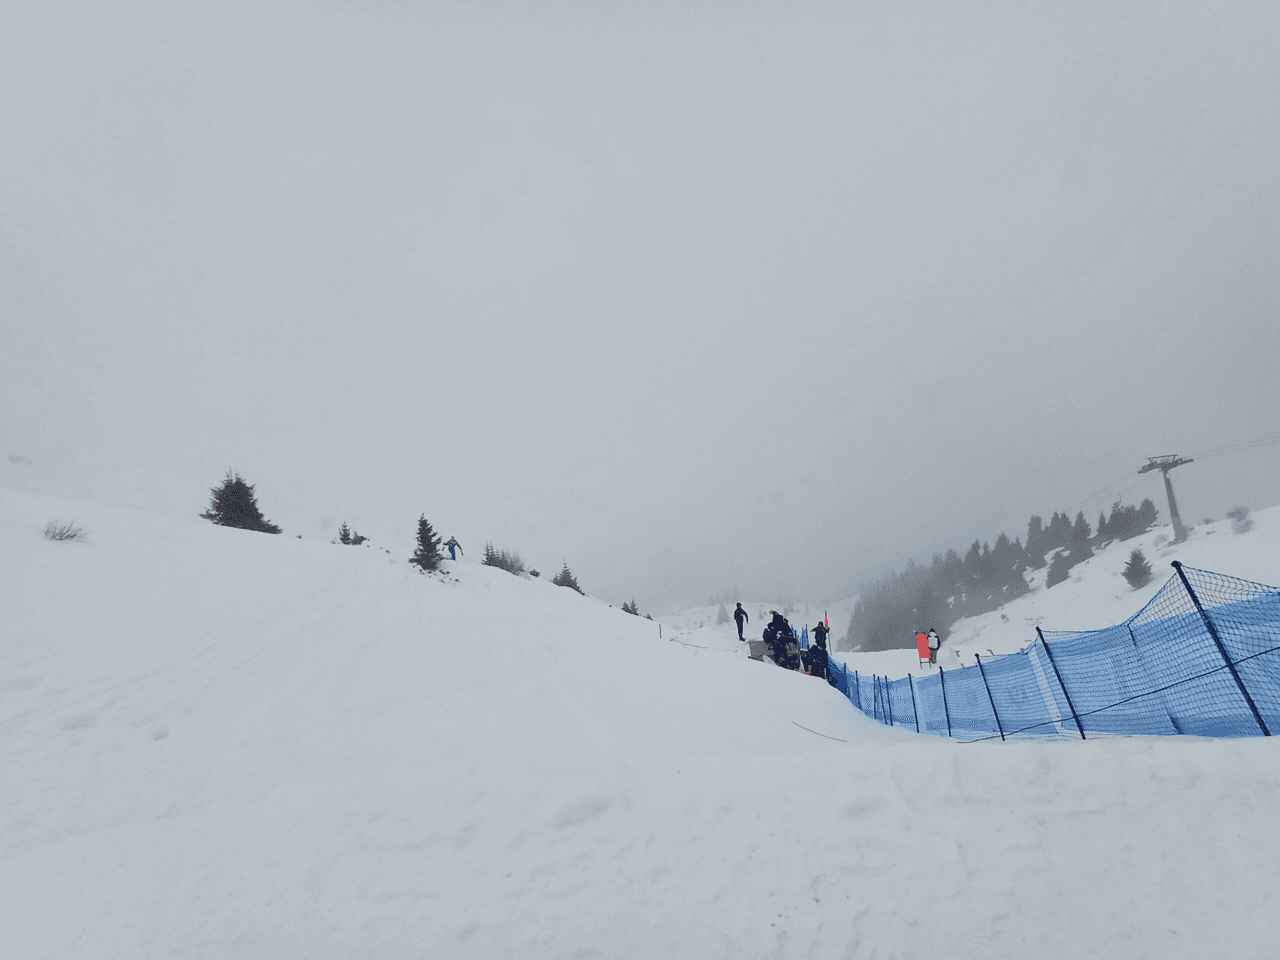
(221, 744)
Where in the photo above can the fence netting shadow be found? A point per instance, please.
(1201, 659)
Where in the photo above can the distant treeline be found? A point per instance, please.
(895, 607)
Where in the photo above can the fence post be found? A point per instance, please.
(1061, 686)
(914, 708)
(942, 679)
(857, 685)
(888, 700)
(983, 671)
(1221, 649)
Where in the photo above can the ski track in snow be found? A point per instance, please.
(225, 744)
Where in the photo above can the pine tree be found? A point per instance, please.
(503, 560)
(1035, 543)
(233, 504)
(344, 533)
(427, 556)
(632, 608)
(565, 578)
(1137, 571)
(1059, 570)
(1148, 513)
(1080, 533)
(722, 615)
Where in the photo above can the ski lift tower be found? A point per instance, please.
(1164, 465)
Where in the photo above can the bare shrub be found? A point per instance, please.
(57, 530)
(1241, 522)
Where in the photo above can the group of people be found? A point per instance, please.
(784, 646)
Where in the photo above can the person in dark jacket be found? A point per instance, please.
(779, 636)
(817, 661)
(741, 617)
(820, 634)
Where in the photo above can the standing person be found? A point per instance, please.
(741, 617)
(934, 643)
(453, 545)
(820, 634)
(817, 665)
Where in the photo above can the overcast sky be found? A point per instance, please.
(694, 296)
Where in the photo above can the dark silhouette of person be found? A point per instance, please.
(820, 634)
(780, 637)
(934, 644)
(817, 661)
(453, 544)
(741, 617)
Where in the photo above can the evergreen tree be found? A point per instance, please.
(1102, 526)
(565, 578)
(233, 504)
(1148, 514)
(1080, 534)
(1137, 571)
(428, 555)
(1128, 521)
(1059, 570)
(631, 608)
(722, 615)
(503, 560)
(1035, 543)
(344, 533)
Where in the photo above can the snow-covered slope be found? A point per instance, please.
(1096, 595)
(224, 744)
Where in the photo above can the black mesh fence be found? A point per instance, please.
(1202, 658)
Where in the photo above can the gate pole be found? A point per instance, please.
(983, 671)
(914, 708)
(942, 679)
(1222, 650)
(1061, 686)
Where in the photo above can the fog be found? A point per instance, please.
(695, 297)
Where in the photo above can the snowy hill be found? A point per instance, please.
(1096, 594)
(226, 744)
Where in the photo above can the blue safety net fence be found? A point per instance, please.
(1202, 658)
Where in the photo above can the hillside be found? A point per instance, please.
(1096, 595)
(232, 745)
